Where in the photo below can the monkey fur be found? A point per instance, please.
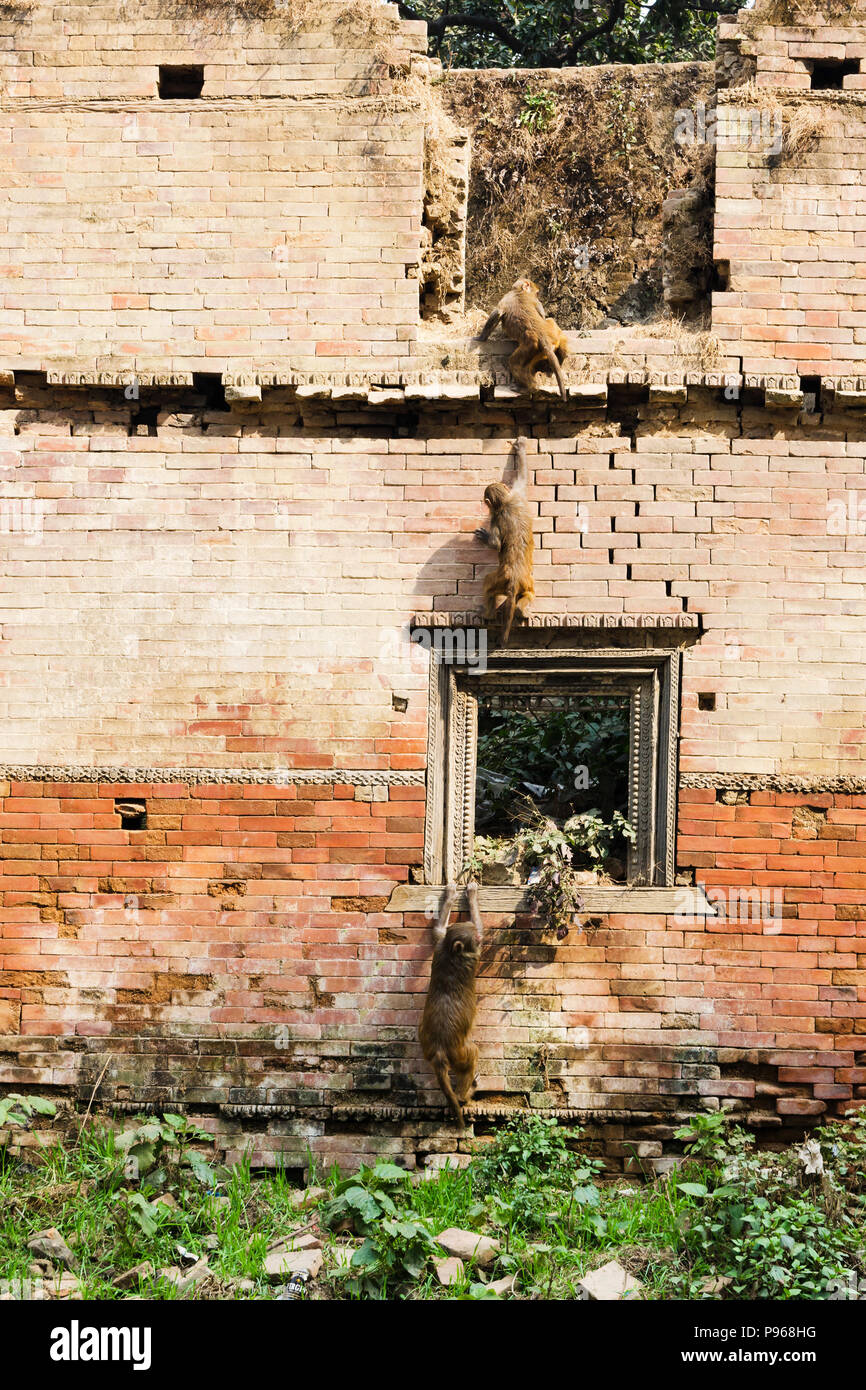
(449, 1010)
(540, 341)
(510, 533)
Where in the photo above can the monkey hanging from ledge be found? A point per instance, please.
(509, 589)
(540, 340)
(449, 1010)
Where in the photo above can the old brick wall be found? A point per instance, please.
(790, 201)
(270, 226)
(237, 953)
(205, 598)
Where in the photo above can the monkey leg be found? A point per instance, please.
(439, 1063)
(517, 364)
(495, 589)
(464, 1073)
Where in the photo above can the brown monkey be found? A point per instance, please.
(449, 1011)
(541, 343)
(510, 532)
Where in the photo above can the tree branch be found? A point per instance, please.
(480, 22)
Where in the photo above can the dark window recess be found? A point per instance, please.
(828, 74)
(811, 388)
(721, 279)
(180, 82)
(706, 701)
(133, 814)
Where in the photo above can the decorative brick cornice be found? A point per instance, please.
(441, 619)
(269, 777)
(772, 782)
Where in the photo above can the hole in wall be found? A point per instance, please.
(180, 81)
(828, 74)
(706, 700)
(133, 814)
(210, 385)
(721, 282)
(811, 388)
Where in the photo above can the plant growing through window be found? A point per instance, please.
(551, 796)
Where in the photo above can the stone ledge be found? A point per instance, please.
(441, 619)
(158, 776)
(686, 901)
(839, 783)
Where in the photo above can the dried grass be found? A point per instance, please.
(589, 186)
(805, 119)
(291, 17)
(805, 13)
(696, 348)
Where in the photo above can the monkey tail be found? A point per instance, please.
(439, 1062)
(554, 362)
(510, 606)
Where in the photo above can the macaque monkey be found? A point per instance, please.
(541, 343)
(449, 1011)
(509, 532)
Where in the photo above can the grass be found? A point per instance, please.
(549, 1207)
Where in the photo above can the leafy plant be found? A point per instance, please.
(782, 1251)
(362, 1201)
(160, 1151)
(711, 1136)
(543, 853)
(395, 1251)
(843, 1146)
(530, 1146)
(539, 109)
(19, 1110)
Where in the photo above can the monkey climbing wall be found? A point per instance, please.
(230, 484)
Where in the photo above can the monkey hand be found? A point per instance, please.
(483, 535)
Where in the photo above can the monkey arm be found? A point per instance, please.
(440, 927)
(474, 911)
(521, 481)
(489, 326)
(489, 537)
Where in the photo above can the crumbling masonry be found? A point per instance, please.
(234, 472)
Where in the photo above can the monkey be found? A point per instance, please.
(541, 343)
(510, 532)
(449, 1010)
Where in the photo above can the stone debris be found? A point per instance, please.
(469, 1245)
(449, 1271)
(306, 1241)
(281, 1263)
(165, 1199)
(64, 1286)
(186, 1279)
(50, 1245)
(503, 1287)
(130, 1277)
(308, 1197)
(608, 1283)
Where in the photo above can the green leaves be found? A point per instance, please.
(692, 1189)
(362, 1200)
(19, 1110)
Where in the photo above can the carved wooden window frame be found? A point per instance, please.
(651, 679)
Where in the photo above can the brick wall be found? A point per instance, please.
(235, 588)
(206, 609)
(789, 220)
(236, 585)
(268, 226)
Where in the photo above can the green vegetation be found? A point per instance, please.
(727, 1223)
(561, 33)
